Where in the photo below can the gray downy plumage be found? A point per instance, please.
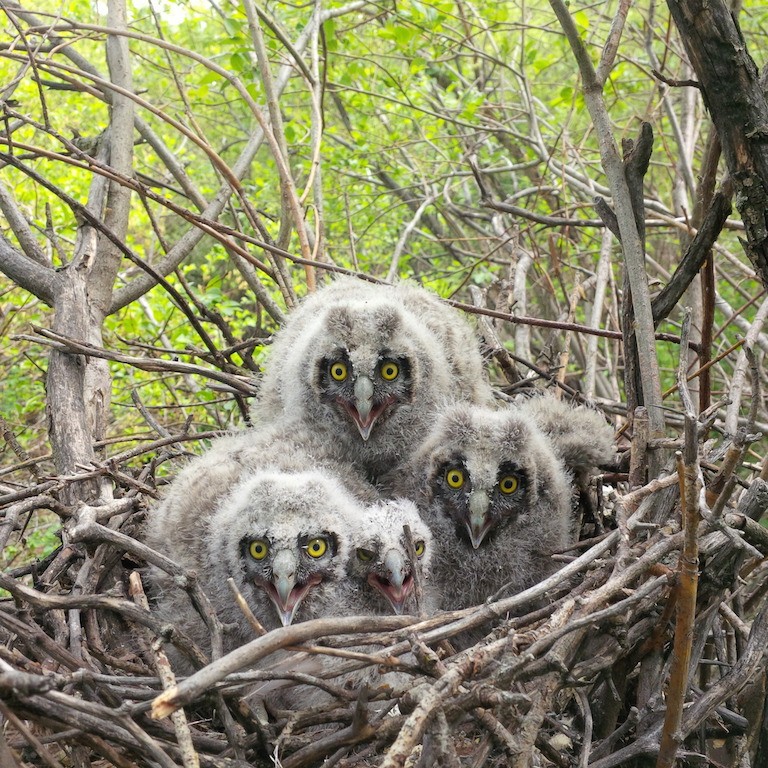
(496, 495)
(380, 580)
(368, 365)
(380, 570)
(580, 434)
(179, 525)
(585, 441)
(283, 537)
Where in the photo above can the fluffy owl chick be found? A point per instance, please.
(380, 568)
(496, 496)
(207, 479)
(368, 365)
(283, 537)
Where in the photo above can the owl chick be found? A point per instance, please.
(496, 496)
(283, 537)
(380, 569)
(368, 365)
(201, 485)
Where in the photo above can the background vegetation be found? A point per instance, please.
(175, 177)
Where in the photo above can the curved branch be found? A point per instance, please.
(28, 273)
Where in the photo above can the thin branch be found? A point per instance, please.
(632, 246)
(688, 569)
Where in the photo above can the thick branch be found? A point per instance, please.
(31, 276)
(695, 255)
(737, 105)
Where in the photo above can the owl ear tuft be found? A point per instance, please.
(340, 322)
(388, 321)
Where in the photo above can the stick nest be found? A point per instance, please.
(628, 652)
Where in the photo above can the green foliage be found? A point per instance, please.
(413, 97)
(40, 538)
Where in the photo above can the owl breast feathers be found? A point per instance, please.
(369, 365)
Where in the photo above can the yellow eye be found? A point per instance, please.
(454, 477)
(258, 549)
(364, 555)
(389, 370)
(509, 484)
(317, 547)
(338, 371)
(419, 548)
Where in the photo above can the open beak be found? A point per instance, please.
(480, 521)
(362, 410)
(283, 591)
(397, 585)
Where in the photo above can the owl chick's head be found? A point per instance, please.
(370, 362)
(485, 470)
(380, 566)
(284, 540)
(365, 369)
(367, 366)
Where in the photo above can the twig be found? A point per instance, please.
(740, 369)
(32, 740)
(245, 609)
(418, 578)
(162, 666)
(688, 569)
(246, 655)
(573, 302)
(236, 383)
(601, 284)
(456, 672)
(638, 455)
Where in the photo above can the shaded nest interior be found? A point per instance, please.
(618, 658)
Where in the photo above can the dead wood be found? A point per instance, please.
(576, 670)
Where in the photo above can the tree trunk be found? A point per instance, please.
(79, 388)
(737, 104)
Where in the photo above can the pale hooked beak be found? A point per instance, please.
(363, 412)
(283, 590)
(479, 522)
(397, 585)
